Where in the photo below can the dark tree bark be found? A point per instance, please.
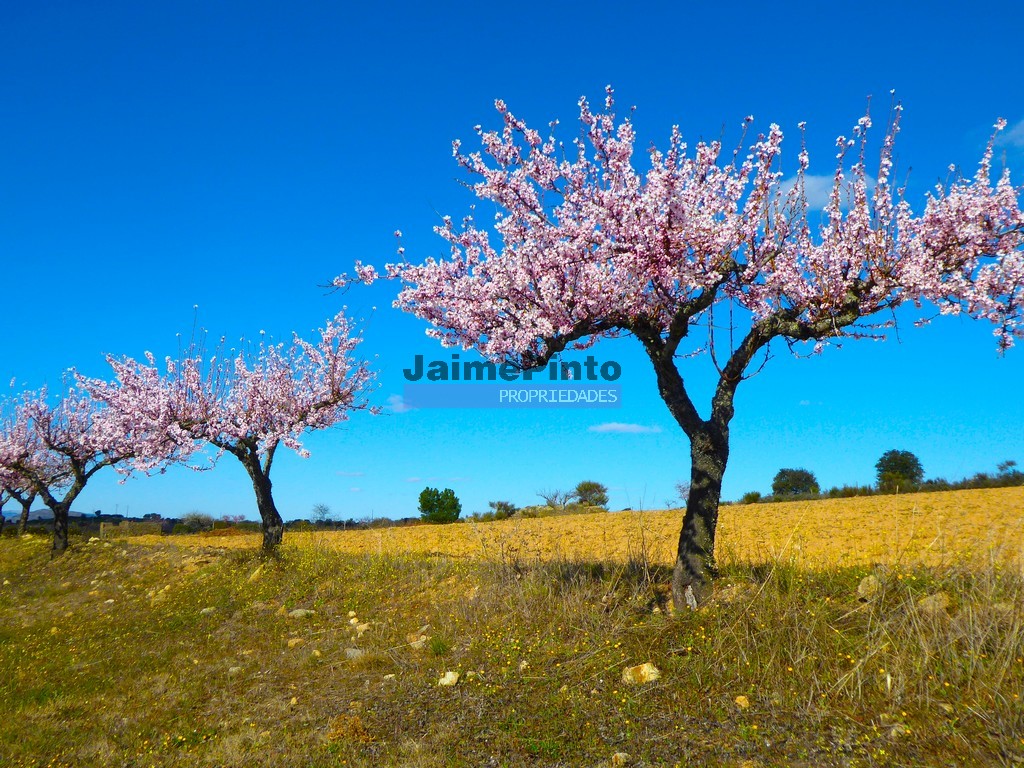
(259, 473)
(709, 446)
(60, 527)
(26, 509)
(61, 508)
(709, 439)
(695, 556)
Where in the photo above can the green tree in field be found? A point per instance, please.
(794, 482)
(591, 494)
(899, 470)
(439, 506)
(502, 509)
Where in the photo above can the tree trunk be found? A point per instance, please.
(60, 528)
(273, 525)
(26, 508)
(695, 560)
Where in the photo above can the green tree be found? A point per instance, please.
(899, 470)
(591, 494)
(502, 509)
(439, 506)
(794, 482)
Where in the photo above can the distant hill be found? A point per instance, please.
(41, 514)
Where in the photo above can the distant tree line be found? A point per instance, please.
(896, 471)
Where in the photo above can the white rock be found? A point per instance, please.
(448, 679)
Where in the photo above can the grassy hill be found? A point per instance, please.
(876, 631)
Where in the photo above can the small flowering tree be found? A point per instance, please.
(12, 485)
(585, 246)
(15, 488)
(53, 449)
(247, 403)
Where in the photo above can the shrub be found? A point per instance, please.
(556, 499)
(849, 491)
(500, 510)
(750, 497)
(591, 494)
(195, 522)
(794, 482)
(439, 506)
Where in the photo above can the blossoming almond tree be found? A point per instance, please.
(12, 484)
(54, 449)
(14, 488)
(246, 403)
(585, 246)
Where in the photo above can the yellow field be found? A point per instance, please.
(929, 528)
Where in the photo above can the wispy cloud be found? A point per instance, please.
(350, 474)
(620, 428)
(819, 188)
(436, 479)
(396, 404)
(1013, 136)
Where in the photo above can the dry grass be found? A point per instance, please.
(927, 528)
(162, 655)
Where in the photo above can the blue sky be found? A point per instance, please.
(237, 156)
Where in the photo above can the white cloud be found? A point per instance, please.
(350, 474)
(396, 404)
(819, 188)
(617, 427)
(1013, 135)
(355, 489)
